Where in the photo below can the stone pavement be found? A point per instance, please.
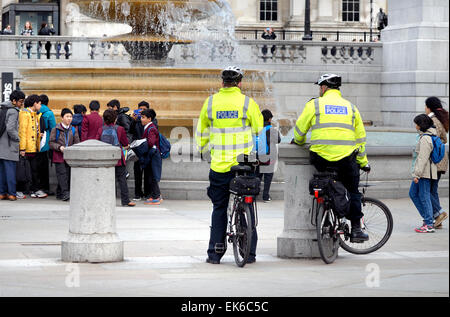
(165, 250)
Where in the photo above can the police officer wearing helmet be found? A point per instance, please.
(338, 140)
(227, 123)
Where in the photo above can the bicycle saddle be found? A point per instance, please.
(241, 168)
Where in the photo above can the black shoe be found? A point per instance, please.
(252, 260)
(66, 198)
(358, 236)
(211, 261)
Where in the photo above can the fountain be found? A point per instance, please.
(177, 94)
(150, 38)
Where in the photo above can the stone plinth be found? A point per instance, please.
(415, 59)
(92, 222)
(298, 239)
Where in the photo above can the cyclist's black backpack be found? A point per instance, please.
(340, 199)
(245, 185)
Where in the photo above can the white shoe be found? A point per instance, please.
(40, 194)
(20, 195)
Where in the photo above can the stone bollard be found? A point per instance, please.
(92, 222)
(299, 238)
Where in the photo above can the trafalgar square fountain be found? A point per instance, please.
(177, 94)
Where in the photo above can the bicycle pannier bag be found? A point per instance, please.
(320, 184)
(245, 185)
(340, 198)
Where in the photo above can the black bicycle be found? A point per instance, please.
(334, 231)
(243, 215)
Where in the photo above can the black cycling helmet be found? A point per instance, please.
(232, 74)
(330, 80)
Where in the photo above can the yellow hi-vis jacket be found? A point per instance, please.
(337, 128)
(227, 123)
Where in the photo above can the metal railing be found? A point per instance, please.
(286, 35)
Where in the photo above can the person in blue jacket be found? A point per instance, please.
(46, 124)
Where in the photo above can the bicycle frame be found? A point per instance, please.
(237, 200)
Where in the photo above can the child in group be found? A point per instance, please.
(92, 122)
(30, 142)
(115, 135)
(424, 173)
(63, 136)
(267, 170)
(78, 117)
(152, 135)
(434, 109)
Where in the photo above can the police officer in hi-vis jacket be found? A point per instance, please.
(227, 123)
(338, 140)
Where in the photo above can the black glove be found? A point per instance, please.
(293, 141)
(366, 168)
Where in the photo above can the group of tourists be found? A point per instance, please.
(31, 140)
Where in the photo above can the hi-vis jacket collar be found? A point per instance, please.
(230, 90)
(332, 92)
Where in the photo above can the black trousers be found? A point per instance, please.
(43, 171)
(267, 177)
(219, 193)
(348, 173)
(138, 172)
(63, 176)
(35, 179)
(121, 178)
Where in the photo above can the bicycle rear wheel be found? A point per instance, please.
(326, 237)
(242, 237)
(377, 223)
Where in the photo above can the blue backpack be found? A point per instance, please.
(109, 135)
(164, 146)
(438, 149)
(261, 144)
(57, 133)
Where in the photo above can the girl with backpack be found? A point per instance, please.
(424, 173)
(63, 136)
(434, 109)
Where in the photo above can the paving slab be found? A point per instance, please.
(165, 250)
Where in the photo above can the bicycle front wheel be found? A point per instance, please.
(326, 234)
(377, 223)
(242, 237)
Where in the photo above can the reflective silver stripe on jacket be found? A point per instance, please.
(333, 125)
(316, 105)
(361, 140)
(204, 134)
(332, 142)
(300, 133)
(231, 147)
(210, 103)
(353, 116)
(230, 130)
(244, 115)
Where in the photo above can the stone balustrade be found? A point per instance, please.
(247, 52)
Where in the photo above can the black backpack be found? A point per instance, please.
(3, 111)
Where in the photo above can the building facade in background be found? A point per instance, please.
(326, 15)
